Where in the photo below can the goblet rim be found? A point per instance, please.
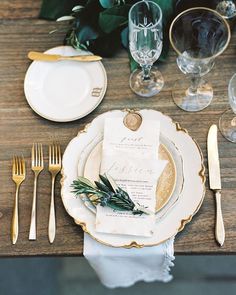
(206, 9)
(155, 4)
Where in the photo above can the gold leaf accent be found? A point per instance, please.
(85, 130)
(179, 128)
(183, 222)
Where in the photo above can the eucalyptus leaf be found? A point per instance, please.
(77, 8)
(65, 18)
(125, 37)
(105, 195)
(85, 181)
(106, 45)
(107, 3)
(112, 18)
(86, 33)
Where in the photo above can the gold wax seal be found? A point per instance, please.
(133, 121)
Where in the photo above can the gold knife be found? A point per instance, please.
(33, 55)
(215, 181)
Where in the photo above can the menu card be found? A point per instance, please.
(131, 159)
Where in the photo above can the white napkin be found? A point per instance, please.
(120, 267)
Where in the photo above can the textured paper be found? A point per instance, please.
(143, 142)
(130, 157)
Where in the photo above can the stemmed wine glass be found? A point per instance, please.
(198, 35)
(145, 43)
(227, 121)
(227, 8)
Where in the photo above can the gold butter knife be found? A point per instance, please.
(33, 55)
(215, 181)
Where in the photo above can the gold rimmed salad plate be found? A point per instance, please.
(169, 185)
(165, 186)
(181, 211)
(66, 90)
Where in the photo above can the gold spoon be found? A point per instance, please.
(56, 57)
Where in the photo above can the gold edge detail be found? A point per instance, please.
(203, 8)
(85, 129)
(183, 222)
(179, 128)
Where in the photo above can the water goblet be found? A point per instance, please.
(227, 8)
(227, 122)
(145, 43)
(198, 35)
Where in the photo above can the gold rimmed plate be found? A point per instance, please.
(65, 91)
(179, 213)
(168, 187)
(165, 185)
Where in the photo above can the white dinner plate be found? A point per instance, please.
(190, 198)
(65, 91)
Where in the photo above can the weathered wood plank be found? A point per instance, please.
(15, 9)
(20, 127)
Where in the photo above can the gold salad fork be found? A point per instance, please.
(37, 167)
(18, 176)
(54, 169)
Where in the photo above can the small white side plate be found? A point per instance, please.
(65, 91)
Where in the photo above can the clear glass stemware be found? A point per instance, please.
(227, 8)
(145, 43)
(227, 121)
(198, 35)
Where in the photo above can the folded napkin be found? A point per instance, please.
(120, 267)
(130, 157)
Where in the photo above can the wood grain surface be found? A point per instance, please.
(20, 127)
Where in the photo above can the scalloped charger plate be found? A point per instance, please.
(189, 201)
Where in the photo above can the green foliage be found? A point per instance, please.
(105, 194)
(101, 26)
(113, 18)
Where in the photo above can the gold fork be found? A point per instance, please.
(54, 169)
(37, 167)
(18, 176)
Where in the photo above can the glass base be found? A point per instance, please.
(227, 125)
(192, 102)
(146, 88)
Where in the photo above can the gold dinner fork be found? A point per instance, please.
(18, 176)
(54, 169)
(37, 167)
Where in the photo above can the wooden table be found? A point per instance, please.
(20, 32)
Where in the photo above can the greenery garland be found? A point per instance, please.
(101, 26)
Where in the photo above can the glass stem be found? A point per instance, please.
(195, 81)
(146, 72)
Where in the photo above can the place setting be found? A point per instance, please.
(131, 178)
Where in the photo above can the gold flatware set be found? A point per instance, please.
(54, 167)
(19, 175)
